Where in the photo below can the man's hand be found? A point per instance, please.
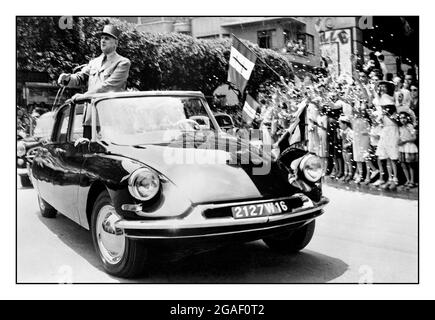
(81, 140)
(76, 97)
(64, 78)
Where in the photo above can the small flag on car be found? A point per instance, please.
(249, 109)
(242, 62)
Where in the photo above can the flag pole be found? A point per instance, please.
(277, 74)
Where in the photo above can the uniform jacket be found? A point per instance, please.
(110, 76)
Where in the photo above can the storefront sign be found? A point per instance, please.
(336, 49)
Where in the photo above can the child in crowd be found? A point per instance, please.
(408, 150)
(375, 134)
(347, 139)
(402, 107)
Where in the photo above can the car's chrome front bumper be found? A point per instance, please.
(196, 225)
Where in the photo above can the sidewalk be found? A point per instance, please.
(411, 194)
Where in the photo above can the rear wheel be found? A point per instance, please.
(121, 256)
(25, 181)
(292, 241)
(47, 211)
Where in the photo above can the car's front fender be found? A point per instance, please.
(113, 172)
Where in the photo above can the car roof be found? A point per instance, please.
(124, 94)
(131, 94)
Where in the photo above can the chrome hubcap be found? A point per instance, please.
(111, 240)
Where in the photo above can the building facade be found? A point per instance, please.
(295, 37)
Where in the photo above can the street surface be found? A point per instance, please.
(361, 238)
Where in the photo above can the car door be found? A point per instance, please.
(45, 168)
(67, 161)
(80, 149)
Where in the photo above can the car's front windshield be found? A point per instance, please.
(149, 119)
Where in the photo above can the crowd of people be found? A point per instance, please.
(296, 47)
(363, 127)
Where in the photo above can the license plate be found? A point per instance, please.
(259, 209)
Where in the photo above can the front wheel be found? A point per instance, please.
(292, 241)
(121, 256)
(47, 211)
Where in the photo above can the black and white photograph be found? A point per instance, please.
(206, 149)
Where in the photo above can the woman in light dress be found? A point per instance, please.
(361, 127)
(361, 140)
(388, 146)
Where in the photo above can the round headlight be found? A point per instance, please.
(143, 184)
(311, 166)
(21, 149)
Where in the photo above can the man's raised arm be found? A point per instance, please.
(74, 80)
